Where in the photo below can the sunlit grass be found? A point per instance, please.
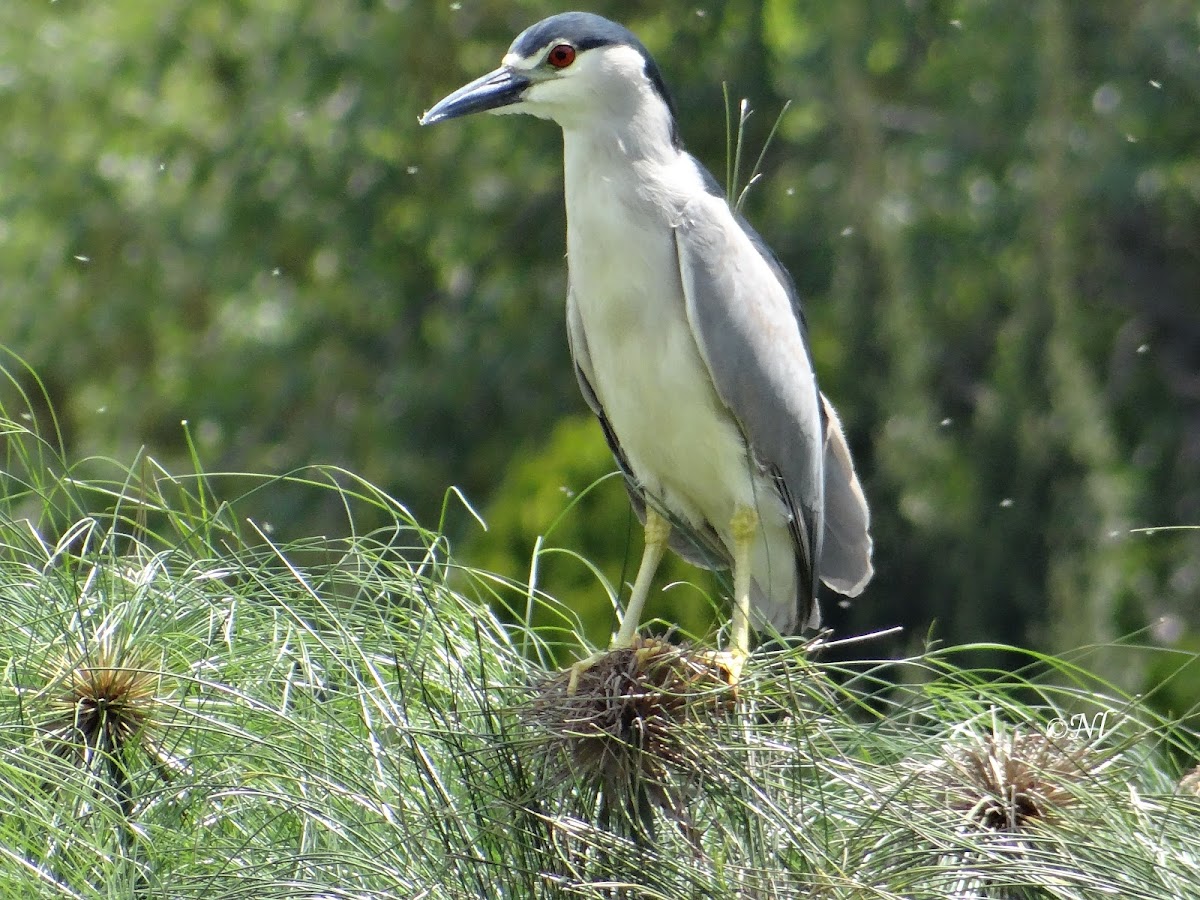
(190, 709)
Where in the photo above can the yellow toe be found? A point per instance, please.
(730, 663)
(578, 668)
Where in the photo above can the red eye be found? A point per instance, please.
(561, 56)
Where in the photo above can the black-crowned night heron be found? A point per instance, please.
(688, 338)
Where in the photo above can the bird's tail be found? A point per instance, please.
(845, 563)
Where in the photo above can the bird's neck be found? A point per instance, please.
(645, 138)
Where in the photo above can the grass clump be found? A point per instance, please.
(192, 708)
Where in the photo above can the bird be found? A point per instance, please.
(688, 339)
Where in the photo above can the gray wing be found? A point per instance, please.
(700, 548)
(752, 339)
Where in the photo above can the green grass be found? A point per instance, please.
(189, 709)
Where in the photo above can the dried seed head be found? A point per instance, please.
(638, 726)
(1190, 783)
(103, 702)
(1006, 781)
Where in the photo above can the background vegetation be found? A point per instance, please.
(225, 213)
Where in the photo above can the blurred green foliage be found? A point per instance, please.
(551, 513)
(225, 213)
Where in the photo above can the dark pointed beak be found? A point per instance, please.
(502, 87)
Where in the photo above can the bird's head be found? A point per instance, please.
(575, 68)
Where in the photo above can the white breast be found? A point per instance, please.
(649, 377)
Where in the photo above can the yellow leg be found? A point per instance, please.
(658, 530)
(743, 529)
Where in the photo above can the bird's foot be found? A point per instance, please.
(729, 663)
(578, 668)
(642, 648)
